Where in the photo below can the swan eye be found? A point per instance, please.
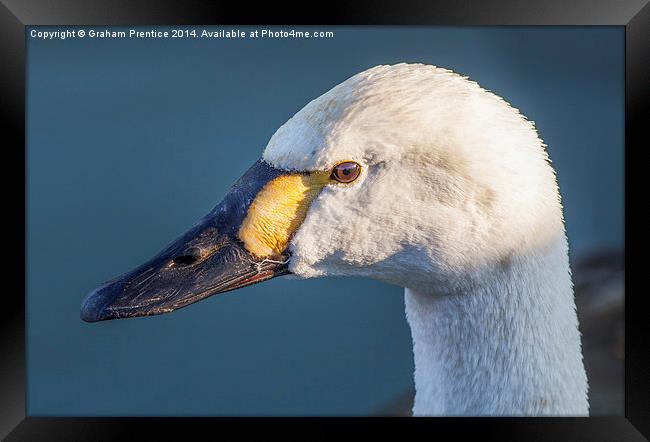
(346, 172)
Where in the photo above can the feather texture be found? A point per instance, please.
(458, 203)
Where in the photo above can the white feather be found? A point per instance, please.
(458, 203)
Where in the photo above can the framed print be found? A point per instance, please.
(412, 212)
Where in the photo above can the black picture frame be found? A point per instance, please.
(15, 15)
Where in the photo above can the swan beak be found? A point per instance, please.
(208, 259)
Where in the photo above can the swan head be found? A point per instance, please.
(410, 174)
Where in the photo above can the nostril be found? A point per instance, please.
(189, 257)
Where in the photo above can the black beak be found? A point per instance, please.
(206, 260)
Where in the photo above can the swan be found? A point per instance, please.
(416, 176)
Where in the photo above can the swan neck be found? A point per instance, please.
(508, 346)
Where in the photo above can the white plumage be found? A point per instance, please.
(457, 202)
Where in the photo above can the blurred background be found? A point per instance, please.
(131, 141)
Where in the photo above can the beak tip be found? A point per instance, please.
(92, 307)
(89, 315)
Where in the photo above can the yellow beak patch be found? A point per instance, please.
(278, 210)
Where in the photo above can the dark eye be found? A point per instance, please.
(346, 172)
